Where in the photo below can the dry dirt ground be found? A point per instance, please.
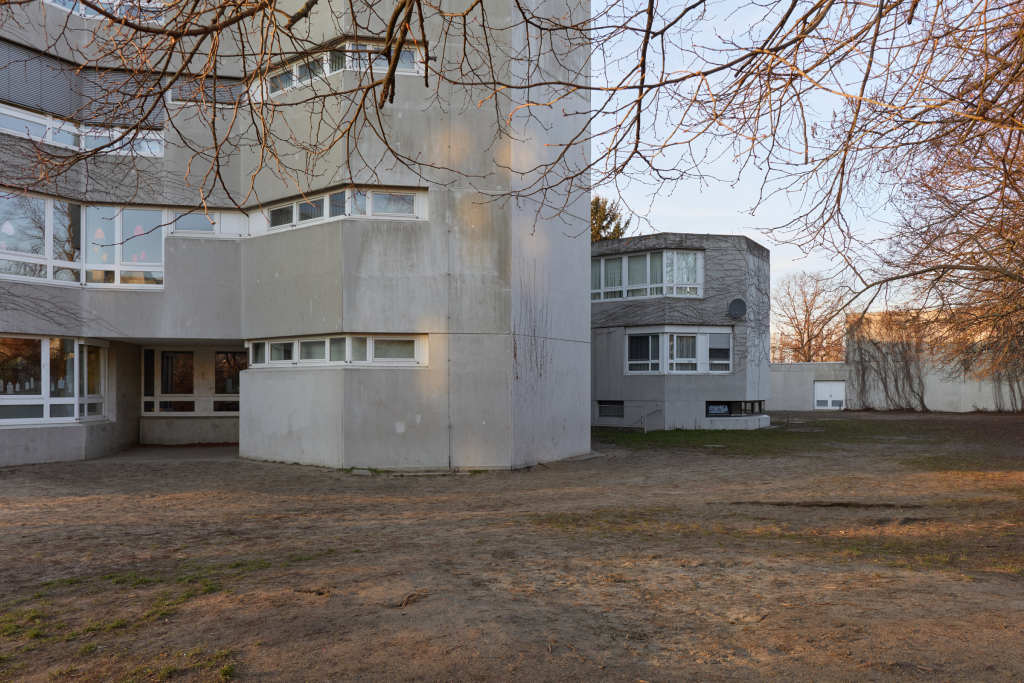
(865, 547)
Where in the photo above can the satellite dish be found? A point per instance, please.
(737, 308)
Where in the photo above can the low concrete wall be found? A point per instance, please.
(173, 430)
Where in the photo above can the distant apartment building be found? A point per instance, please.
(390, 322)
(679, 332)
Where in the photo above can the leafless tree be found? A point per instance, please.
(887, 358)
(807, 310)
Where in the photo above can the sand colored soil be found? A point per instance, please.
(873, 547)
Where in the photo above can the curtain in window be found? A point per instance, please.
(686, 347)
(595, 275)
(612, 272)
(686, 268)
(656, 268)
(638, 270)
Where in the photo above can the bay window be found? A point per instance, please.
(41, 380)
(350, 56)
(692, 350)
(356, 202)
(656, 273)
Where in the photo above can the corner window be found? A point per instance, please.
(376, 203)
(656, 273)
(259, 353)
(44, 379)
(644, 353)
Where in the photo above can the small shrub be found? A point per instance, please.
(87, 649)
(227, 672)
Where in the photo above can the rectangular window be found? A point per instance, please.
(644, 353)
(336, 61)
(683, 270)
(282, 80)
(394, 203)
(337, 349)
(358, 348)
(22, 125)
(637, 275)
(358, 203)
(22, 268)
(194, 222)
(99, 277)
(100, 235)
(62, 368)
(281, 351)
(657, 273)
(311, 210)
(613, 278)
(58, 410)
(67, 232)
(142, 236)
(595, 280)
(611, 409)
(226, 406)
(67, 274)
(22, 224)
(719, 352)
(718, 409)
(281, 216)
(309, 70)
(315, 349)
(394, 349)
(142, 277)
(337, 201)
(148, 374)
(228, 366)
(21, 367)
(683, 352)
(21, 411)
(259, 353)
(177, 372)
(177, 406)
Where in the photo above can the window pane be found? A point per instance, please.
(407, 60)
(176, 372)
(20, 412)
(94, 409)
(281, 351)
(309, 71)
(99, 234)
(595, 275)
(93, 370)
(719, 341)
(686, 268)
(394, 348)
(670, 269)
(67, 274)
(358, 348)
(22, 224)
(177, 406)
(21, 367)
(281, 80)
(66, 134)
(142, 277)
(193, 222)
(22, 268)
(226, 406)
(62, 368)
(338, 349)
(686, 347)
(67, 232)
(259, 353)
(227, 367)
(338, 204)
(281, 216)
(612, 272)
(638, 270)
(394, 203)
(358, 203)
(17, 124)
(62, 410)
(639, 348)
(99, 277)
(337, 60)
(142, 236)
(656, 270)
(148, 373)
(311, 209)
(655, 346)
(313, 350)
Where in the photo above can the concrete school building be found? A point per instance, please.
(679, 332)
(390, 323)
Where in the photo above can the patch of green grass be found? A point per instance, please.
(60, 673)
(295, 557)
(36, 634)
(167, 673)
(87, 649)
(816, 435)
(5, 658)
(227, 671)
(962, 463)
(57, 583)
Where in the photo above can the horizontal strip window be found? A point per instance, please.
(50, 239)
(657, 273)
(346, 56)
(340, 350)
(696, 353)
(51, 379)
(356, 202)
(149, 12)
(83, 138)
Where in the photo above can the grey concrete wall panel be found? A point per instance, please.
(793, 383)
(43, 443)
(201, 300)
(176, 430)
(480, 366)
(296, 415)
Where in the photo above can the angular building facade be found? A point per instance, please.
(680, 332)
(377, 317)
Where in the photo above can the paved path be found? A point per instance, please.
(171, 454)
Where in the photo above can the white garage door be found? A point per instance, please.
(829, 395)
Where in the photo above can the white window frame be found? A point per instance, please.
(653, 289)
(419, 359)
(420, 207)
(82, 11)
(660, 361)
(348, 49)
(199, 393)
(79, 399)
(667, 348)
(50, 262)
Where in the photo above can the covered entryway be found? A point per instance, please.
(829, 395)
